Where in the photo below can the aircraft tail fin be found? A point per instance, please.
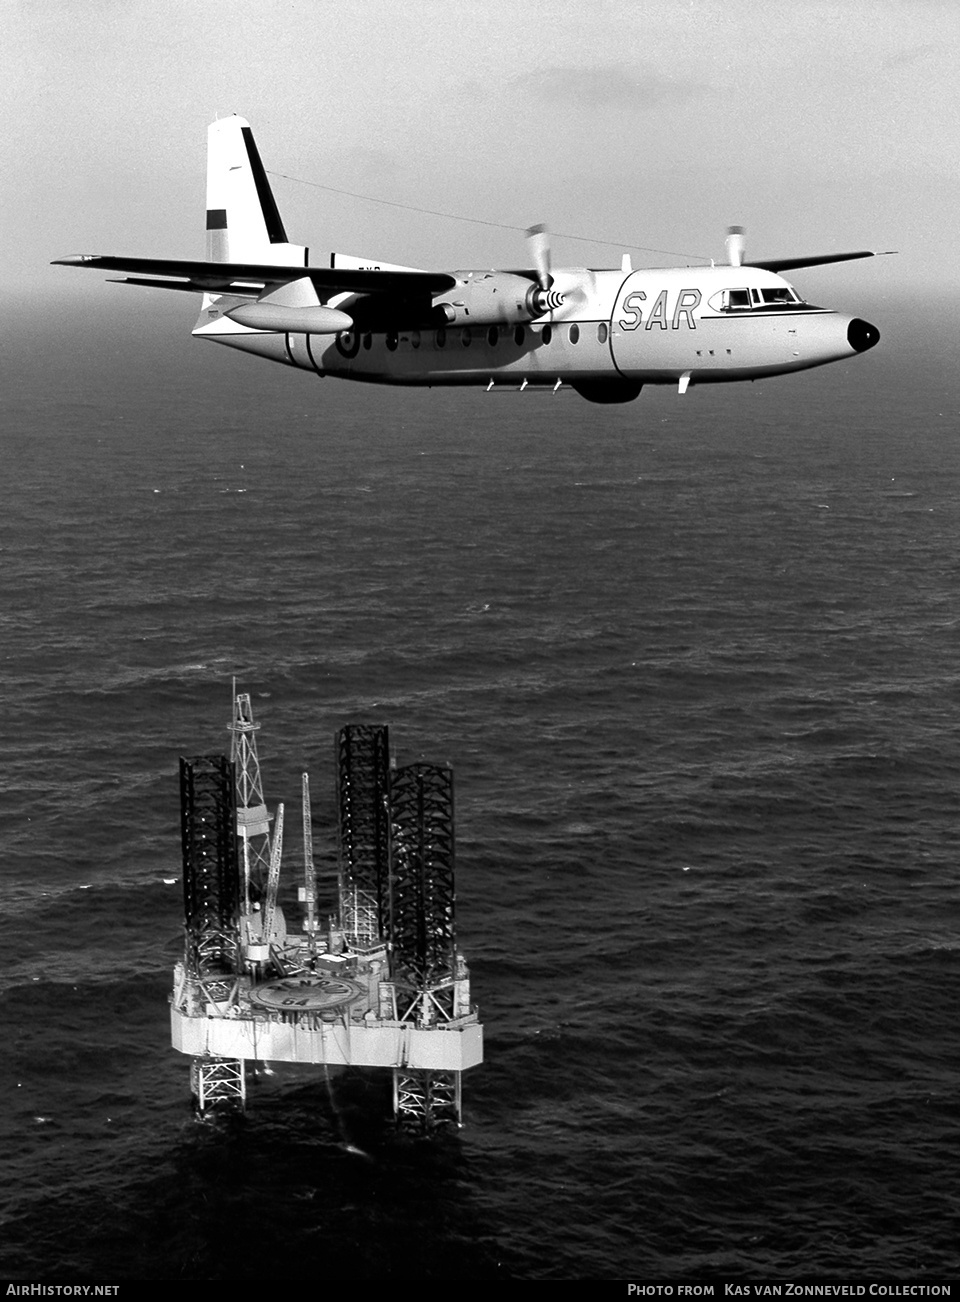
(243, 221)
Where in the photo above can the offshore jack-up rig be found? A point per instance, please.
(381, 984)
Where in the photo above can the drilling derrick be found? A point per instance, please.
(383, 986)
(253, 821)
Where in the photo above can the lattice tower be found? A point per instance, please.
(363, 830)
(211, 880)
(422, 897)
(421, 1099)
(253, 821)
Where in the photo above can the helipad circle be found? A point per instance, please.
(305, 994)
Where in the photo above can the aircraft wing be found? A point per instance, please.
(253, 277)
(791, 264)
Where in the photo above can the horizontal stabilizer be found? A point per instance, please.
(252, 277)
(295, 320)
(818, 260)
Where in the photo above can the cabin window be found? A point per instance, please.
(519, 335)
(392, 340)
(441, 338)
(415, 338)
(368, 342)
(546, 334)
(493, 334)
(465, 336)
(574, 334)
(602, 332)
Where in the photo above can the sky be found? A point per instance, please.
(640, 125)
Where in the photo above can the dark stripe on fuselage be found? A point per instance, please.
(268, 205)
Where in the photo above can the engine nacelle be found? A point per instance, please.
(486, 298)
(296, 320)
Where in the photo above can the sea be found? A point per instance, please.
(695, 662)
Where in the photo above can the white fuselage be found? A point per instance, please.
(676, 326)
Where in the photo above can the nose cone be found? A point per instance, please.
(861, 335)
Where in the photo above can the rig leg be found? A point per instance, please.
(423, 1099)
(218, 1083)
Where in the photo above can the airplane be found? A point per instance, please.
(604, 333)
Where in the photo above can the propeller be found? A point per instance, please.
(735, 245)
(736, 250)
(546, 299)
(538, 238)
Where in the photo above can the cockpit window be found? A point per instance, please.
(731, 300)
(747, 300)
